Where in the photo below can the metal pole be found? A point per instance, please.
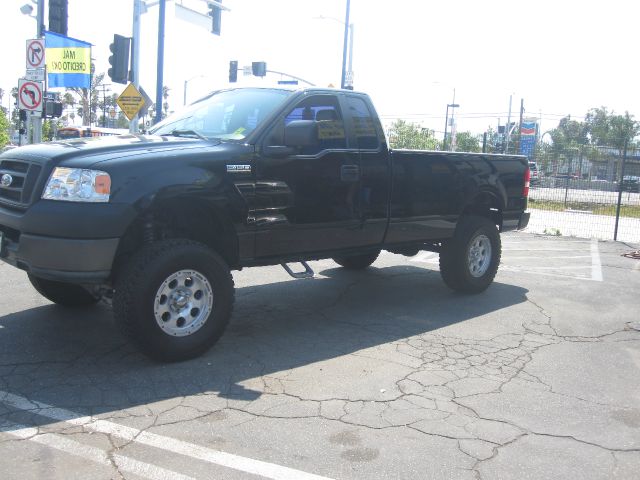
(446, 123)
(92, 71)
(184, 99)
(453, 111)
(135, 57)
(351, 55)
(36, 121)
(344, 47)
(351, 48)
(507, 129)
(159, 82)
(624, 161)
(520, 126)
(566, 185)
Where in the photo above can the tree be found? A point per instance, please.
(467, 142)
(88, 100)
(607, 128)
(410, 135)
(569, 134)
(4, 128)
(15, 114)
(49, 128)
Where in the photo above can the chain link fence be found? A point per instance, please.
(591, 192)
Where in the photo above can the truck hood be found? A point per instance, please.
(86, 152)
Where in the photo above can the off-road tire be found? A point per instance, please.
(357, 262)
(459, 268)
(137, 289)
(61, 293)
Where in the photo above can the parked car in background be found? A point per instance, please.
(535, 175)
(630, 183)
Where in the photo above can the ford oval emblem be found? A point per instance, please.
(6, 180)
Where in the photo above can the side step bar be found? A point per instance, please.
(308, 273)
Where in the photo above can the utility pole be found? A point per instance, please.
(507, 130)
(520, 125)
(344, 48)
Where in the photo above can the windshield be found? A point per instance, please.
(226, 115)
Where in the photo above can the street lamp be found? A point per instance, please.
(446, 121)
(348, 37)
(184, 102)
(27, 9)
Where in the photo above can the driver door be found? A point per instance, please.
(307, 200)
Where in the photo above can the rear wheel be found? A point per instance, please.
(174, 299)
(469, 261)
(65, 294)
(357, 262)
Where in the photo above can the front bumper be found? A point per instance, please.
(61, 259)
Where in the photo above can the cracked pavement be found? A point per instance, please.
(350, 375)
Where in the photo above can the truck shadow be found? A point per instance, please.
(76, 359)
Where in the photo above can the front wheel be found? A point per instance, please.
(174, 299)
(65, 294)
(469, 261)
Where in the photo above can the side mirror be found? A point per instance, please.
(301, 133)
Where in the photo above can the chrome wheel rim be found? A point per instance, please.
(183, 303)
(479, 257)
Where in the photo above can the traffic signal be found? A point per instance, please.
(58, 16)
(119, 59)
(259, 69)
(215, 12)
(233, 71)
(52, 108)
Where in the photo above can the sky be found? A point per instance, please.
(560, 57)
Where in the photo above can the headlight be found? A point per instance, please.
(78, 185)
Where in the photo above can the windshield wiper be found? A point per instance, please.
(187, 133)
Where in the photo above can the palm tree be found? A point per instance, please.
(88, 99)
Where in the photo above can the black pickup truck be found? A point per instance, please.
(243, 177)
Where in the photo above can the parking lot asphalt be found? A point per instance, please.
(383, 374)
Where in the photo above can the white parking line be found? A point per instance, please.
(124, 464)
(596, 266)
(515, 250)
(172, 445)
(561, 257)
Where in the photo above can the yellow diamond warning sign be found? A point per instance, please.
(130, 101)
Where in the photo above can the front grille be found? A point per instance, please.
(24, 176)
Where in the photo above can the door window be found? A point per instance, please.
(363, 124)
(324, 109)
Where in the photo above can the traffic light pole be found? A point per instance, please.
(135, 57)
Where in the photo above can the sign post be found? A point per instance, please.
(30, 97)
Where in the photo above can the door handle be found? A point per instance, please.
(349, 173)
